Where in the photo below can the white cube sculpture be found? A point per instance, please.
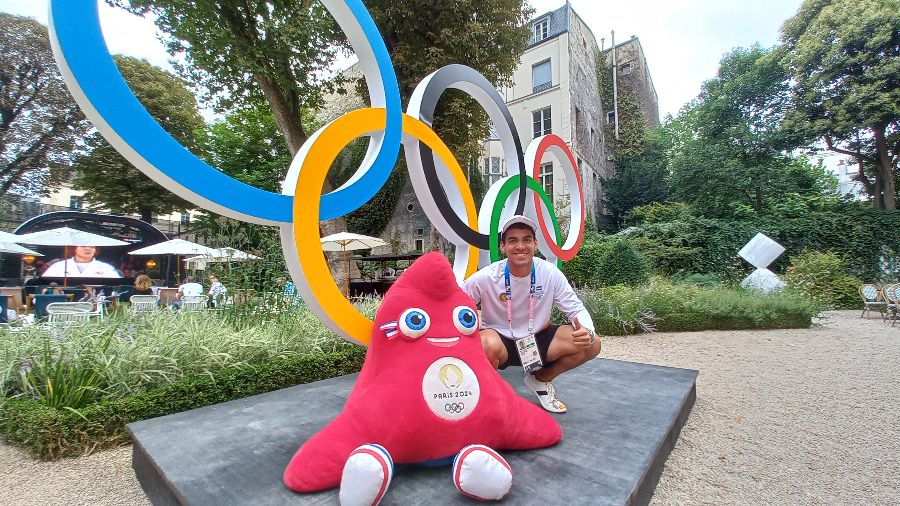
(760, 252)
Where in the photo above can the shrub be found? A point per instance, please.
(50, 433)
(706, 280)
(623, 265)
(584, 269)
(824, 277)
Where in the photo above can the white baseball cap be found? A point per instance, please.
(518, 219)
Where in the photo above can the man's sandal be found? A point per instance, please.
(545, 393)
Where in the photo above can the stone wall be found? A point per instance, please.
(634, 75)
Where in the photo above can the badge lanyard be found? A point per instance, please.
(509, 301)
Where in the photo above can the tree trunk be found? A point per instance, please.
(146, 215)
(885, 170)
(288, 119)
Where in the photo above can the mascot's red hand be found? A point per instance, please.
(426, 389)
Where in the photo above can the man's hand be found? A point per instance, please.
(582, 337)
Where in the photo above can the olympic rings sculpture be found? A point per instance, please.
(438, 180)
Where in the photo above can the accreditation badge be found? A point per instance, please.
(529, 354)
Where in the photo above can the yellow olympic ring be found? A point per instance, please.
(307, 195)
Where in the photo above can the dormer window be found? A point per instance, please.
(541, 29)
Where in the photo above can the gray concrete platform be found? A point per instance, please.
(623, 421)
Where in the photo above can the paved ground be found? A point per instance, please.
(782, 417)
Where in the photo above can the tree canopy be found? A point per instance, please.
(248, 146)
(108, 179)
(844, 59)
(40, 124)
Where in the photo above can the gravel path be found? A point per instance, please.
(782, 417)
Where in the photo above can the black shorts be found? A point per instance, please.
(543, 339)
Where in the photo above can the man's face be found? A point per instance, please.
(84, 254)
(519, 245)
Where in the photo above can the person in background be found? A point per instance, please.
(188, 288)
(288, 291)
(217, 291)
(53, 289)
(143, 285)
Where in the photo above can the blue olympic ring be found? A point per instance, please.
(113, 108)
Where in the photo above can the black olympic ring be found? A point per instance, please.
(454, 407)
(458, 76)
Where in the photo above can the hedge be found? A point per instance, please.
(694, 322)
(50, 433)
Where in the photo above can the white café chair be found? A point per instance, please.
(144, 303)
(69, 312)
(194, 302)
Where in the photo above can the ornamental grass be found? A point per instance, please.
(75, 365)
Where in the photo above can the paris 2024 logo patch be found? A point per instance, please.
(450, 388)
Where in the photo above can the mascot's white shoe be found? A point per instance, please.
(481, 473)
(367, 475)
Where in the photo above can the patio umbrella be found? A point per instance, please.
(347, 241)
(9, 247)
(66, 237)
(7, 237)
(177, 247)
(221, 255)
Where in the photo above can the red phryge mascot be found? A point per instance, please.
(426, 393)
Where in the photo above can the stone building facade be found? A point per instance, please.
(634, 75)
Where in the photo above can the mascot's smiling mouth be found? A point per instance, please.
(443, 342)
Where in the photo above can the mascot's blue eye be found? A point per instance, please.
(465, 320)
(414, 322)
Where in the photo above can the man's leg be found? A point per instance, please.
(565, 354)
(494, 349)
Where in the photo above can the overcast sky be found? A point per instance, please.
(682, 39)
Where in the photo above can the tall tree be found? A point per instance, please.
(108, 179)
(844, 58)
(240, 53)
(640, 179)
(40, 124)
(728, 144)
(487, 35)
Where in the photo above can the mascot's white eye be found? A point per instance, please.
(465, 319)
(414, 322)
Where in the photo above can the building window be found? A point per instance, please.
(541, 122)
(626, 68)
(494, 135)
(540, 76)
(76, 202)
(420, 232)
(185, 217)
(611, 117)
(419, 245)
(547, 178)
(541, 29)
(410, 207)
(495, 170)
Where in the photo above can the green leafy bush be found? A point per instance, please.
(706, 280)
(50, 433)
(824, 277)
(623, 265)
(584, 269)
